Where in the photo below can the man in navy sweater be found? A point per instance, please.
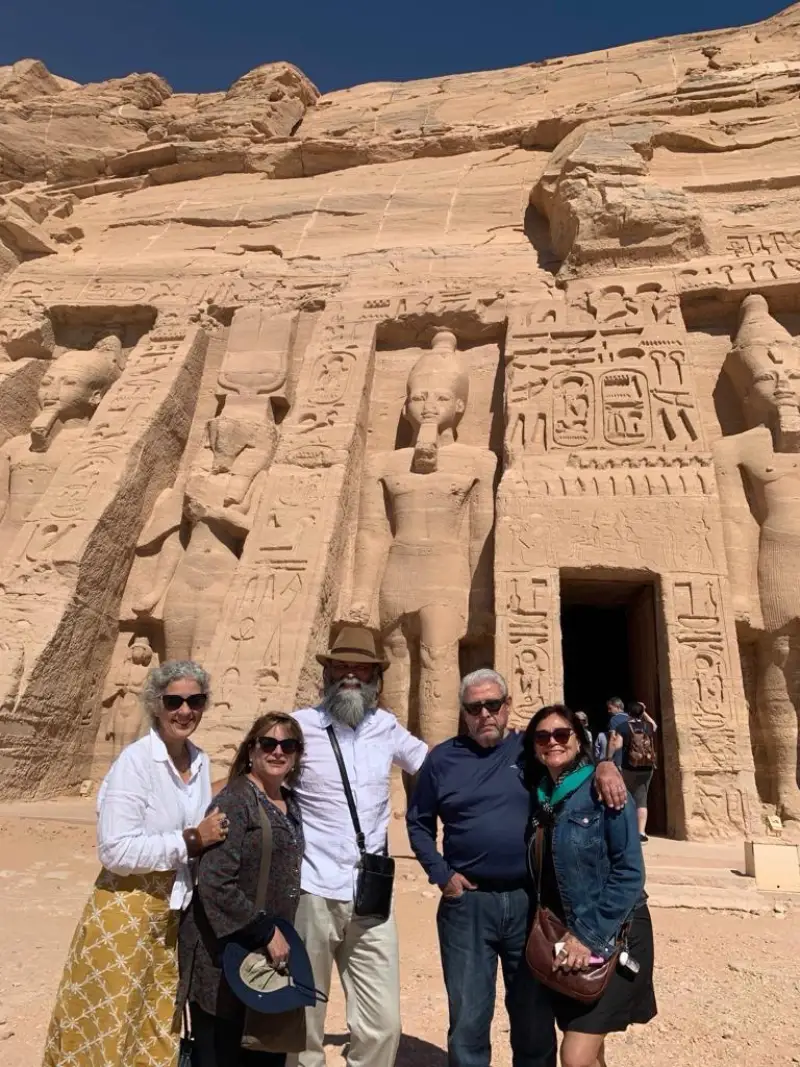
(473, 784)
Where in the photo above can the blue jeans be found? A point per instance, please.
(475, 930)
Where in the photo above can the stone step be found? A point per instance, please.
(709, 877)
(709, 898)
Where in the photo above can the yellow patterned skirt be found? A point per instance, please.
(116, 1001)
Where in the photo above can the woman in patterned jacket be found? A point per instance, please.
(115, 1005)
(224, 906)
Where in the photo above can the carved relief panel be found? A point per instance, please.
(281, 595)
(605, 369)
(710, 710)
(63, 576)
(528, 636)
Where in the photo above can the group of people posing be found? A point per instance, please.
(540, 868)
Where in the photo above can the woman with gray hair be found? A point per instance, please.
(116, 1000)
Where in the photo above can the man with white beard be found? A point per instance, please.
(364, 949)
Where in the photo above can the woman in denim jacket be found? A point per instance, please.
(592, 879)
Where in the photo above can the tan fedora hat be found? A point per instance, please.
(354, 644)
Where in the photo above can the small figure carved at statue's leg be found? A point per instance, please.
(778, 662)
(396, 697)
(439, 673)
(397, 678)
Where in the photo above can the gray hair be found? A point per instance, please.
(482, 677)
(158, 678)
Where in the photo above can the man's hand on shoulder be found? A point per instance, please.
(456, 886)
(610, 786)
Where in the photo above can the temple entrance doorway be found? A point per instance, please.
(610, 648)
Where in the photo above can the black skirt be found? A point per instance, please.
(627, 999)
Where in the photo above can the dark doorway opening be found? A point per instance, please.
(610, 649)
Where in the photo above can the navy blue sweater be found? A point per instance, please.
(478, 795)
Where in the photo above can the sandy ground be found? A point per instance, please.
(728, 986)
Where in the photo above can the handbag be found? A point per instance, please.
(186, 1043)
(546, 932)
(375, 881)
(284, 1031)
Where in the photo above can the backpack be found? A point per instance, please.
(640, 750)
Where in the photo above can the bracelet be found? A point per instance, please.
(194, 843)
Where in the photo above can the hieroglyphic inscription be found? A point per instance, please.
(527, 614)
(625, 304)
(739, 275)
(613, 394)
(608, 369)
(710, 711)
(701, 653)
(775, 243)
(330, 393)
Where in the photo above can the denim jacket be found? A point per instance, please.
(599, 867)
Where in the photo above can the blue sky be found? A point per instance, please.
(202, 45)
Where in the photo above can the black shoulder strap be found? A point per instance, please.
(348, 792)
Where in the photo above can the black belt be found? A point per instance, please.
(499, 885)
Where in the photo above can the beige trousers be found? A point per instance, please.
(366, 957)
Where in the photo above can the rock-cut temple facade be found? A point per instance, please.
(504, 365)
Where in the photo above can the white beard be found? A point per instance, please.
(348, 703)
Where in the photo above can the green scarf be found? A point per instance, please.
(550, 793)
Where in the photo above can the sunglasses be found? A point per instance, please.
(475, 707)
(288, 745)
(195, 701)
(561, 736)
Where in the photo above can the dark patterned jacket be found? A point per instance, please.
(223, 903)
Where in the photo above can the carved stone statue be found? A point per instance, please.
(199, 526)
(768, 456)
(69, 393)
(124, 720)
(428, 511)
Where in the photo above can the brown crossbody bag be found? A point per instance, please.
(547, 931)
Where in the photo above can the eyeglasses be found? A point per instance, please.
(287, 745)
(560, 735)
(173, 701)
(475, 707)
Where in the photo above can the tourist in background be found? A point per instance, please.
(615, 710)
(224, 905)
(473, 784)
(592, 879)
(364, 949)
(583, 718)
(632, 743)
(115, 1005)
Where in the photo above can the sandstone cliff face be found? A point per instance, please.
(210, 307)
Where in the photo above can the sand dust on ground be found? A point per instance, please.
(728, 986)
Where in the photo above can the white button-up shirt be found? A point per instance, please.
(369, 751)
(144, 806)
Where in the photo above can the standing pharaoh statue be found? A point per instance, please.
(765, 367)
(423, 545)
(68, 396)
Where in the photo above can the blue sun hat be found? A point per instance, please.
(264, 988)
